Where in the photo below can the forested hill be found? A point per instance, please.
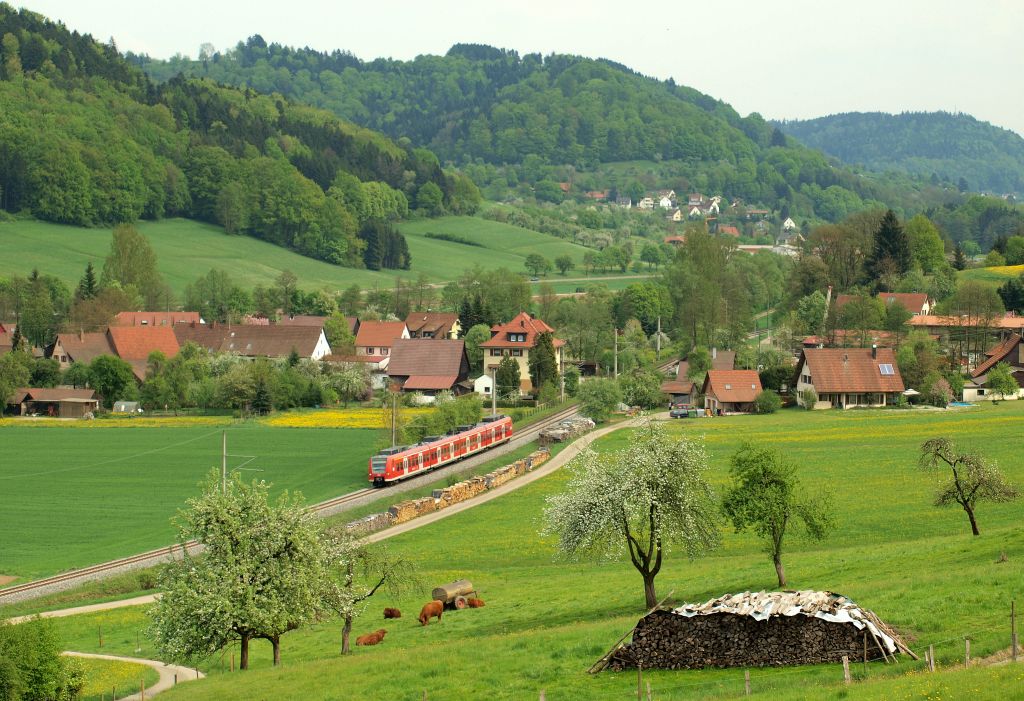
(86, 138)
(938, 145)
(485, 108)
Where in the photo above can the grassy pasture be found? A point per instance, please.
(77, 496)
(993, 276)
(915, 565)
(186, 249)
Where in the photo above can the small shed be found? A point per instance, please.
(66, 403)
(760, 629)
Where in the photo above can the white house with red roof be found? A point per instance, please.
(516, 339)
(849, 377)
(375, 339)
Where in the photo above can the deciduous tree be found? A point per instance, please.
(598, 398)
(766, 498)
(973, 478)
(646, 499)
(1001, 381)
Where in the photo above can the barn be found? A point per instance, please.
(760, 629)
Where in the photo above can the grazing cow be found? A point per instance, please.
(392, 613)
(475, 603)
(434, 608)
(371, 638)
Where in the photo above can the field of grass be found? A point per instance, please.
(995, 276)
(75, 497)
(105, 678)
(186, 249)
(546, 621)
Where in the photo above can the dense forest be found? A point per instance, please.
(953, 148)
(86, 138)
(507, 118)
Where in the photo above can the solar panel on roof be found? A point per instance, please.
(886, 369)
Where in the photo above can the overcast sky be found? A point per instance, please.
(783, 59)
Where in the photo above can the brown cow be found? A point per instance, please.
(434, 608)
(392, 613)
(475, 603)
(371, 638)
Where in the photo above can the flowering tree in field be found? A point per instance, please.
(261, 574)
(645, 499)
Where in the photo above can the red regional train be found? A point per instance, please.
(401, 462)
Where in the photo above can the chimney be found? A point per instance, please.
(846, 357)
(874, 350)
(81, 335)
(714, 352)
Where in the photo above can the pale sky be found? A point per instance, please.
(783, 59)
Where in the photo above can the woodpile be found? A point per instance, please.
(566, 430)
(763, 629)
(442, 498)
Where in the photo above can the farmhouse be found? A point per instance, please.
(129, 343)
(849, 377)
(760, 629)
(433, 325)
(375, 339)
(681, 389)
(731, 390)
(63, 402)
(1011, 352)
(429, 368)
(516, 339)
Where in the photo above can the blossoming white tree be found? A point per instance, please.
(646, 499)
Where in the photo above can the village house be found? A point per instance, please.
(728, 230)
(375, 338)
(917, 304)
(596, 195)
(731, 391)
(645, 203)
(63, 402)
(516, 339)
(429, 368)
(681, 389)
(675, 241)
(132, 344)
(849, 377)
(257, 341)
(624, 202)
(1011, 352)
(156, 318)
(437, 325)
(789, 225)
(676, 215)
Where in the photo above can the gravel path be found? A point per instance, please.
(169, 674)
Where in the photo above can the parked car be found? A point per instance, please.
(682, 411)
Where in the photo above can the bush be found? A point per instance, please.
(808, 398)
(768, 402)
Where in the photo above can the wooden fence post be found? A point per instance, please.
(967, 652)
(650, 696)
(542, 696)
(846, 669)
(99, 630)
(931, 658)
(1013, 630)
(865, 652)
(746, 681)
(639, 680)
(142, 690)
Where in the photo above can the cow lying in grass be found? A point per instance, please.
(392, 613)
(475, 603)
(434, 608)
(371, 638)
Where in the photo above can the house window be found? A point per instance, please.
(369, 351)
(428, 334)
(518, 352)
(517, 337)
(495, 351)
(385, 351)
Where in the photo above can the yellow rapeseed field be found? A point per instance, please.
(338, 418)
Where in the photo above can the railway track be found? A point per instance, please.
(73, 578)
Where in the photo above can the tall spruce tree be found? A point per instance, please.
(543, 363)
(88, 286)
(890, 254)
(959, 259)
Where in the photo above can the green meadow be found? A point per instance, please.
(186, 249)
(993, 276)
(547, 621)
(78, 496)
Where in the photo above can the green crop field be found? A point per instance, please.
(993, 276)
(546, 622)
(186, 249)
(78, 496)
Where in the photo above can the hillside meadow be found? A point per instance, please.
(994, 276)
(547, 621)
(186, 249)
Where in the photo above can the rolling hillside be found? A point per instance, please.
(186, 249)
(946, 146)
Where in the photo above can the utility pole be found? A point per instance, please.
(394, 418)
(224, 462)
(615, 370)
(658, 342)
(494, 390)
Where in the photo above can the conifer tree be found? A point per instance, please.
(890, 254)
(87, 286)
(959, 259)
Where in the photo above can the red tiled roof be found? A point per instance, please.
(55, 394)
(155, 318)
(842, 300)
(739, 386)
(674, 239)
(676, 387)
(523, 323)
(85, 347)
(302, 320)
(374, 334)
(729, 231)
(252, 341)
(912, 301)
(998, 355)
(851, 370)
(1009, 321)
(426, 358)
(137, 342)
(430, 382)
